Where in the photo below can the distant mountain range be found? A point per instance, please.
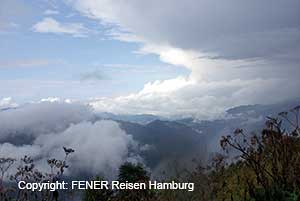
(167, 141)
(139, 118)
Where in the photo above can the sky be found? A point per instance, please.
(171, 58)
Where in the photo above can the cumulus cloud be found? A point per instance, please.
(100, 146)
(50, 25)
(213, 86)
(240, 51)
(6, 103)
(37, 119)
(201, 100)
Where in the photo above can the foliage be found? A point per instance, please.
(134, 173)
(128, 172)
(98, 194)
(28, 172)
(264, 167)
(252, 167)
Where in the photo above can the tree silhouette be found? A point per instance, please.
(272, 159)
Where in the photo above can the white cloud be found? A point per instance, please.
(7, 103)
(51, 12)
(51, 99)
(50, 25)
(239, 51)
(206, 94)
(100, 146)
(202, 100)
(45, 117)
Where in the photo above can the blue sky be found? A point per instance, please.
(171, 58)
(75, 62)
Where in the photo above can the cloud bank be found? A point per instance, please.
(237, 52)
(100, 146)
(224, 29)
(42, 118)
